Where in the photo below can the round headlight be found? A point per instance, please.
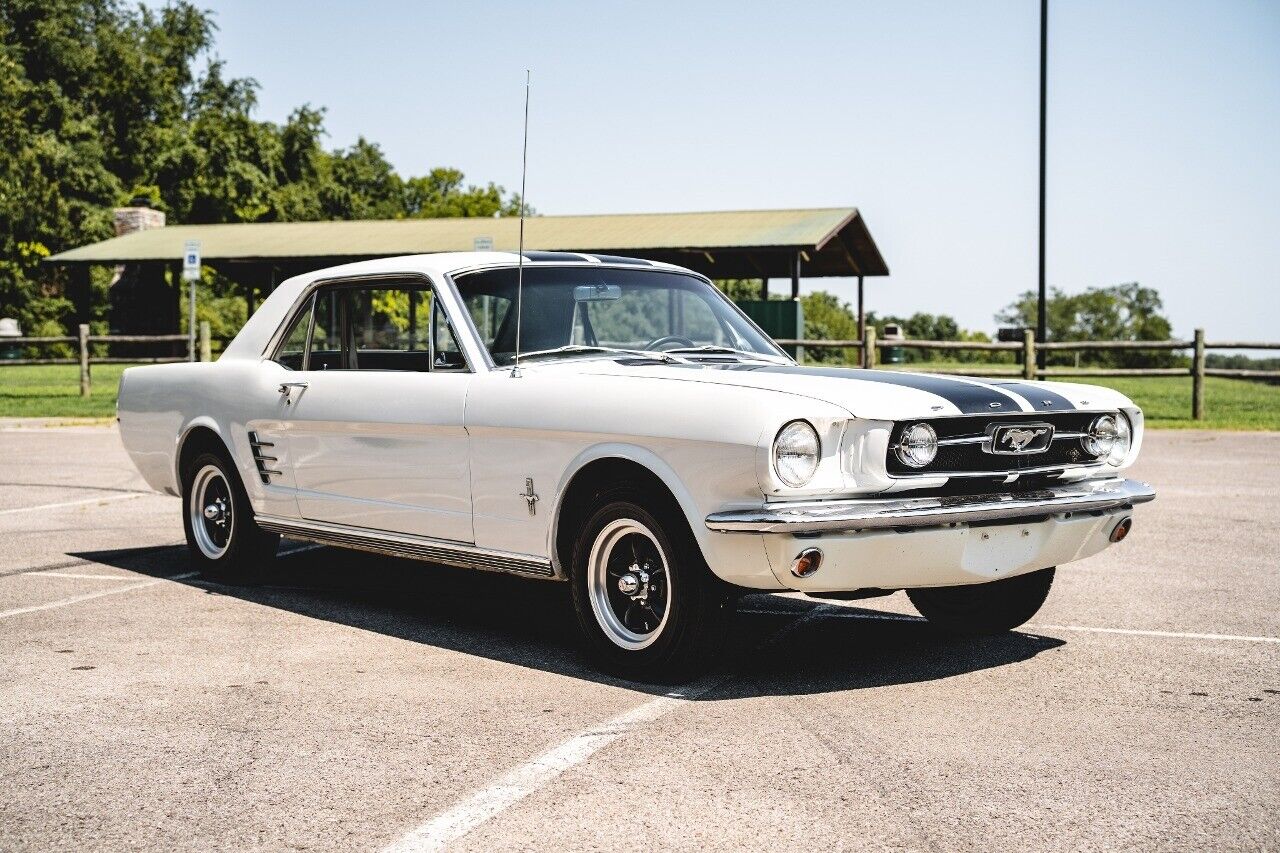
(1102, 437)
(1124, 440)
(918, 445)
(795, 453)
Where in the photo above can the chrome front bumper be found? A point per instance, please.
(880, 513)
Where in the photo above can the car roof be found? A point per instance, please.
(264, 322)
(447, 263)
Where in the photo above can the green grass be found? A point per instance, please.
(1237, 404)
(36, 391)
(53, 391)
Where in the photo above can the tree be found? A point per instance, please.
(102, 101)
(1122, 312)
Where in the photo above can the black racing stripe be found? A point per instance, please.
(971, 399)
(1040, 399)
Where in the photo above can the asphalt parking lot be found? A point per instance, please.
(356, 702)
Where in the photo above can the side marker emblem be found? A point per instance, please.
(530, 496)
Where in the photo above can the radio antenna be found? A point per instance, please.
(524, 171)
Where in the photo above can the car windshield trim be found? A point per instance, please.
(692, 313)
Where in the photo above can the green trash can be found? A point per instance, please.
(888, 334)
(9, 349)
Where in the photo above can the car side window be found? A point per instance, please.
(383, 326)
(295, 342)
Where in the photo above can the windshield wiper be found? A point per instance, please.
(713, 348)
(574, 349)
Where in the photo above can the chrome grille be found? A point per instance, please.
(964, 446)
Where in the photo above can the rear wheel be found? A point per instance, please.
(648, 606)
(984, 608)
(222, 536)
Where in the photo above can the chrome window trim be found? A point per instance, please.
(443, 292)
(488, 358)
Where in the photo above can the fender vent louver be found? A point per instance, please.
(260, 457)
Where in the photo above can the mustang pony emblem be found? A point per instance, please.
(1019, 438)
(1013, 439)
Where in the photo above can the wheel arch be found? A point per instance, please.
(202, 433)
(605, 464)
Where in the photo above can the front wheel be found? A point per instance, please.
(648, 605)
(984, 608)
(222, 536)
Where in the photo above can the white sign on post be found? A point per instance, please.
(483, 244)
(191, 261)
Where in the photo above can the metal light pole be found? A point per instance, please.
(1042, 308)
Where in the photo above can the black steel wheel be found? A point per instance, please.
(648, 606)
(221, 534)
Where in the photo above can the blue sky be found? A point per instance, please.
(1164, 126)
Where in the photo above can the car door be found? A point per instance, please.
(375, 428)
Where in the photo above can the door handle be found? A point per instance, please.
(286, 387)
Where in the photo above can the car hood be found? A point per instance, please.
(876, 394)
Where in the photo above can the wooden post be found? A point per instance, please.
(85, 388)
(869, 348)
(1197, 378)
(862, 313)
(1028, 354)
(206, 345)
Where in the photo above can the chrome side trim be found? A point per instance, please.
(408, 546)
(880, 513)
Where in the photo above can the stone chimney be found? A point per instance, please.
(138, 216)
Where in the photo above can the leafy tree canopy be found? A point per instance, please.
(101, 102)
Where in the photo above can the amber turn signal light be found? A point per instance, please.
(1122, 529)
(807, 562)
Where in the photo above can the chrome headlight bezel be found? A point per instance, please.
(1123, 442)
(796, 452)
(1100, 438)
(917, 446)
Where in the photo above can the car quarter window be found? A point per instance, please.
(382, 326)
(294, 345)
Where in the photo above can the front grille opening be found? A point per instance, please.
(968, 459)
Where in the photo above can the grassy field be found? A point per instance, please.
(54, 391)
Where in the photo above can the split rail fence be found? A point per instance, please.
(1029, 370)
(201, 347)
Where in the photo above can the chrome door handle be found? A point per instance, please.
(285, 387)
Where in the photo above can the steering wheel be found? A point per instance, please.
(658, 343)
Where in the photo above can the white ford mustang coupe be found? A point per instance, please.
(652, 447)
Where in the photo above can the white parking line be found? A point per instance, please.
(1136, 632)
(1038, 626)
(81, 576)
(18, 611)
(515, 785)
(73, 503)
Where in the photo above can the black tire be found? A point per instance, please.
(984, 608)
(229, 545)
(696, 604)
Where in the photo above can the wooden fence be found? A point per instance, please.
(868, 350)
(201, 347)
(1028, 348)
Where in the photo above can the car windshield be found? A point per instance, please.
(585, 311)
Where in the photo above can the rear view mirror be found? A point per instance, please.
(597, 292)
